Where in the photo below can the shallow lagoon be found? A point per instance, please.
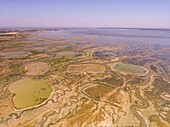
(130, 69)
(9, 55)
(29, 92)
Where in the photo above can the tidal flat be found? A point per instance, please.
(85, 77)
(28, 92)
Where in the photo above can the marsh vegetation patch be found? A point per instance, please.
(2, 41)
(159, 95)
(69, 54)
(97, 92)
(104, 54)
(138, 61)
(10, 55)
(113, 80)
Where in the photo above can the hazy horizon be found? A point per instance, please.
(75, 13)
(77, 27)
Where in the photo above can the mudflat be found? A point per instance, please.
(28, 92)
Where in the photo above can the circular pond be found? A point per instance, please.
(130, 69)
(28, 92)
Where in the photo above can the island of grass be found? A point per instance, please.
(28, 92)
(2, 41)
(104, 54)
(129, 69)
(69, 54)
(97, 91)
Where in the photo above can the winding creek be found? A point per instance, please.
(135, 108)
(145, 104)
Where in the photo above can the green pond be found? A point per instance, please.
(104, 54)
(29, 92)
(69, 54)
(129, 68)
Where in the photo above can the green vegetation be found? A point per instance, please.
(69, 54)
(34, 52)
(129, 68)
(20, 58)
(113, 80)
(4, 94)
(104, 54)
(29, 92)
(153, 68)
(139, 61)
(17, 69)
(7, 35)
(2, 41)
(161, 88)
(97, 92)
